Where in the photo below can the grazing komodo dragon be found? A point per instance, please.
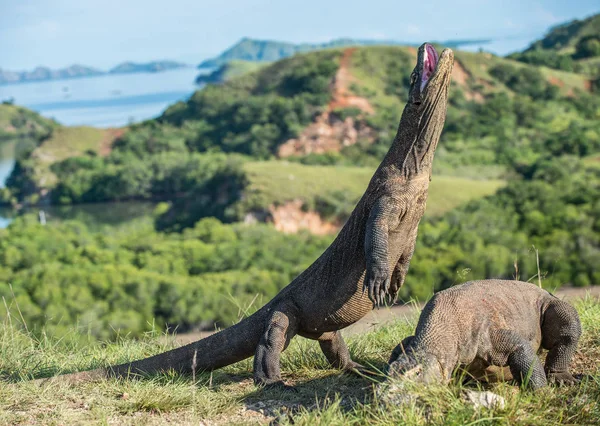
(499, 323)
(363, 266)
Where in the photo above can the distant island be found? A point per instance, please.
(77, 71)
(248, 49)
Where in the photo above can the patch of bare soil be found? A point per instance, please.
(109, 138)
(461, 77)
(328, 133)
(556, 81)
(342, 97)
(290, 218)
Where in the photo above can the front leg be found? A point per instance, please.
(280, 328)
(509, 348)
(561, 330)
(377, 277)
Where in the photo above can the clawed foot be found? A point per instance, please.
(377, 283)
(278, 385)
(359, 369)
(562, 379)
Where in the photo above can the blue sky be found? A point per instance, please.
(103, 33)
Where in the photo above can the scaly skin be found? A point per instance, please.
(366, 263)
(481, 324)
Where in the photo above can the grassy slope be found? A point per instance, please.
(68, 142)
(279, 181)
(230, 70)
(228, 396)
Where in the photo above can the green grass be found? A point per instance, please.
(275, 182)
(68, 142)
(228, 396)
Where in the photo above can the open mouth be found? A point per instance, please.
(430, 61)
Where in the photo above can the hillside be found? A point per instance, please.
(565, 37)
(248, 49)
(339, 106)
(570, 46)
(20, 123)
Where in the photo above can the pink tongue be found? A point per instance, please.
(429, 64)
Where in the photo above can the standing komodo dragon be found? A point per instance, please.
(366, 263)
(499, 323)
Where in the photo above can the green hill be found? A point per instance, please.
(565, 37)
(504, 111)
(20, 123)
(570, 46)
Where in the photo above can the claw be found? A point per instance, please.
(376, 293)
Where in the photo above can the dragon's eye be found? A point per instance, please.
(413, 78)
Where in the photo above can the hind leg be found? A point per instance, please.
(335, 350)
(561, 330)
(281, 327)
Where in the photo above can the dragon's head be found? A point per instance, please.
(415, 365)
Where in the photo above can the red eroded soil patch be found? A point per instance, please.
(461, 77)
(556, 81)
(341, 97)
(328, 133)
(110, 137)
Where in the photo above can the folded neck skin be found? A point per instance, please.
(424, 115)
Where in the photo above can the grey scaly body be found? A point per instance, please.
(487, 323)
(366, 263)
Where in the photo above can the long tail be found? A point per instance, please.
(226, 347)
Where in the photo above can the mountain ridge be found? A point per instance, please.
(42, 73)
(255, 50)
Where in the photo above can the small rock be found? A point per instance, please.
(124, 396)
(485, 399)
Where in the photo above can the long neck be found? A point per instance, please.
(412, 151)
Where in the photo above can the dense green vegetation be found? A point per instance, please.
(114, 282)
(139, 278)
